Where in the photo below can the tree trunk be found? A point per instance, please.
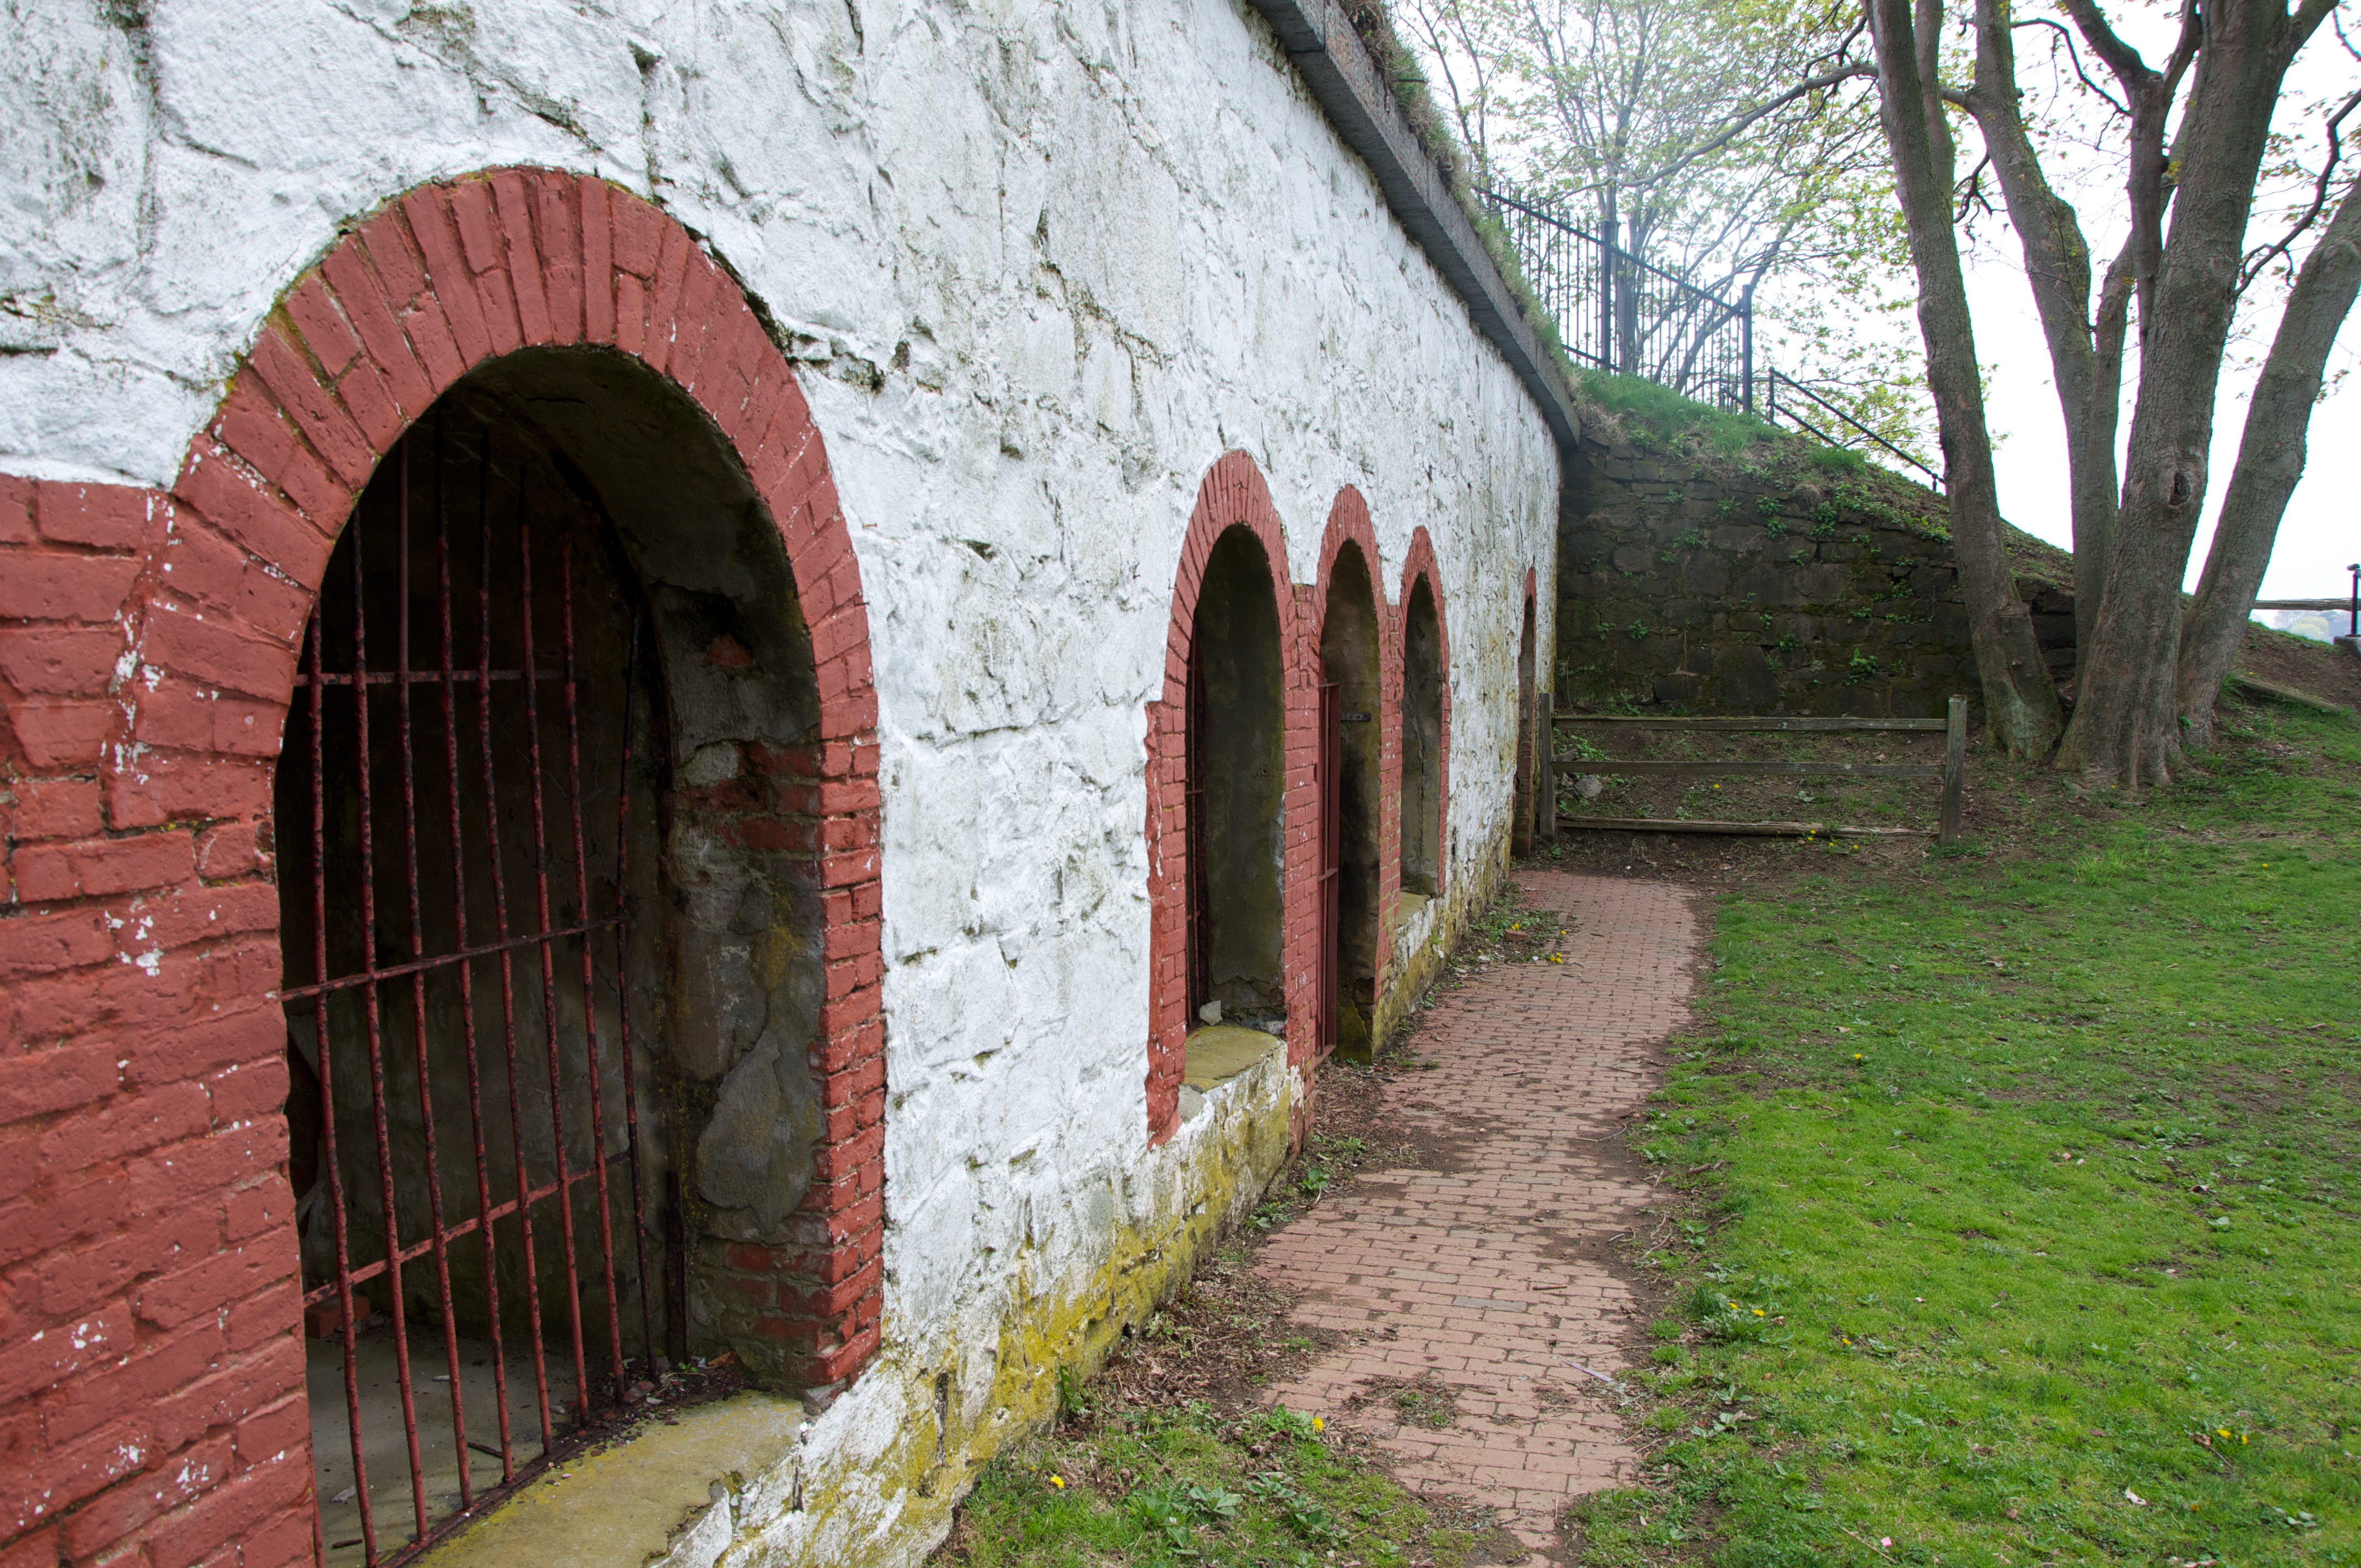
(2270, 461)
(2126, 726)
(2088, 373)
(2020, 703)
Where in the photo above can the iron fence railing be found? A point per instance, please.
(1775, 411)
(1622, 313)
(1628, 316)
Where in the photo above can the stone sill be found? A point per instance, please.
(1218, 1053)
(671, 1497)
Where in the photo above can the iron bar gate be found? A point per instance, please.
(1622, 313)
(552, 952)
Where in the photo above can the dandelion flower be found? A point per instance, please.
(1319, 1425)
(1758, 1311)
(1057, 1481)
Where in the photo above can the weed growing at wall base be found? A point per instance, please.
(2036, 1232)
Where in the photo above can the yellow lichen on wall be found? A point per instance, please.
(1064, 1309)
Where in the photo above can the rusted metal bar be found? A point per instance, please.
(549, 961)
(589, 979)
(1329, 787)
(411, 677)
(371, 1013)
(506, 954)
(1197, 896)
(467, 967)
(437, 1240)
(370, 1271)
(444, 960)
(347, 1331)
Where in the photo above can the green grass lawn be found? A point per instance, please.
(1188, 1484)
(2034, 1229)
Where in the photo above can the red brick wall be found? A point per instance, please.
(152, 1403)
(1421, 563)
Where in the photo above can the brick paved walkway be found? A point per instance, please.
(1484, 1282)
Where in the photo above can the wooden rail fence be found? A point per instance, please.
(1951, 770)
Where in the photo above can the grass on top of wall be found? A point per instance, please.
(1666, 414)
(2029, 1230)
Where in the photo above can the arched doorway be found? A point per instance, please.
(1521, 832)
(554, 927)
(1235, 792)
(1351, 772)
(1422, 744)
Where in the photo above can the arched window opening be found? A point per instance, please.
(1351, 773)
(1521, 829)
(548, 895)
(1236, 779)
(1421, 745)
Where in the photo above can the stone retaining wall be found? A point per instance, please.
(1761, 583)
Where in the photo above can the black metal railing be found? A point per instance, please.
(1628, 316)
(1775, 411)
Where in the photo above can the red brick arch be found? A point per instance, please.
(1232, 495)
(1420, 564)
(151, 1379)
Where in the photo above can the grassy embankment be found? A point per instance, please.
(2037, 1227)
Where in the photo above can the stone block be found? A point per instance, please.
(1744, 677)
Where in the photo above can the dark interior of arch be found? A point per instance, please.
(1422, 724)
(1237, 715)
(1348, 656)
(1525, 806)
(690, 757)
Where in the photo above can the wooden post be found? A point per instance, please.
(1955, 770)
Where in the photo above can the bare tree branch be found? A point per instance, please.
(2073, 55)
(2258, 259)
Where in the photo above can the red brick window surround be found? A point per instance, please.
(151, 1365)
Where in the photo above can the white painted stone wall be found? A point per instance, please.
(1043, 264)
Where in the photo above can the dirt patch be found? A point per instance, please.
(1424, 1401)
(1221, 1339)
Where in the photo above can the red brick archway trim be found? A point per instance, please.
(151, 1379)
(1421, 563)
(1232, 495)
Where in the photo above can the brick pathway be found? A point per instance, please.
(1485, 1281)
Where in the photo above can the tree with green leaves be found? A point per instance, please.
(1729, 143)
